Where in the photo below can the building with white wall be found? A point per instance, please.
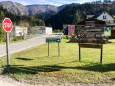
(43, 29)
(104, 16)
(20, 31)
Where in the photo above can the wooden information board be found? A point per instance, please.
(91, 37)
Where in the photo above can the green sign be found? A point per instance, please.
(56, 40)
(107, 31)
(53, 40)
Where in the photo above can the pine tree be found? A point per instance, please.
(76, 18)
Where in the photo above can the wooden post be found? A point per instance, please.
(48, 50)
(101, 55)
(79, 53)
(58, 49)
(79, 50)
(7, 49)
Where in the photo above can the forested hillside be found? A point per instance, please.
(74, 13)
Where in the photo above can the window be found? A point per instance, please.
(104, 17)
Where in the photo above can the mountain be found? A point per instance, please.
(62, 7)
(37, 9)
(14, 7)
(19, 9)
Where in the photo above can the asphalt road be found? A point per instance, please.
(16, 47)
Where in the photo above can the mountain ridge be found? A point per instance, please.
(19, 9)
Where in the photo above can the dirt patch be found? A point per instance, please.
(7, 81)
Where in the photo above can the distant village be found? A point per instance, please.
(102, 19)
(19, 31)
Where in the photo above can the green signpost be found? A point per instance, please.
(53, 40)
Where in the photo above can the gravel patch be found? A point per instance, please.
(7, 81)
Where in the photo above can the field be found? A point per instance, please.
(34, 65)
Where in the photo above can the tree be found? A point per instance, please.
(24, 23)
(32, 30)
(76, 18)
(41, 23)
(1, 16)
(2, 34)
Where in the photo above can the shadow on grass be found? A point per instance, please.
(113, 79)
(51, 68)
(26, 59)
(98, 68)
(29, 70)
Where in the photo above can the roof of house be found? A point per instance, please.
(111, 25)
(96, 15)
(89, 16)
(96, 21)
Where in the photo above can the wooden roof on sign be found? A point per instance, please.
(91, 20)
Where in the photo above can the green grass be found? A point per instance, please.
(34, 63)
(2, 43)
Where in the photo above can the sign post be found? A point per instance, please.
(92, 37)
(55, 40)
(7, 26)
(101, 57)
(48, 49)
(58, 49)
(7, 48)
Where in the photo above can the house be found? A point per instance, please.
(43, 29)
(104, 16)
(89, 16)
(19, 31)
(92, 21)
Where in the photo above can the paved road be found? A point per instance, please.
(16, 47)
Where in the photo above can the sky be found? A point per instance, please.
(51, 2)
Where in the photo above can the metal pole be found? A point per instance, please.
(7, 49)
(101, 57)
(58, 49)
(48, 50)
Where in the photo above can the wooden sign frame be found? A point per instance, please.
(93, 42)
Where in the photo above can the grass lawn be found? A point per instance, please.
(34, 65)
(2, 43)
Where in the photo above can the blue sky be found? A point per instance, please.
(51, 2)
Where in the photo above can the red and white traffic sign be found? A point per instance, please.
(7, 25)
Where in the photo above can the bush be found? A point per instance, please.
(2, 34)
(66, 37)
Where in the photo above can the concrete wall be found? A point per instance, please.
(20, 31)
(43, 29)
(48, 30)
